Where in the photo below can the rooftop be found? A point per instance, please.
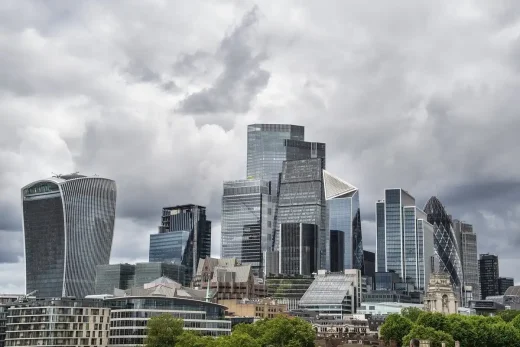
(329, 289)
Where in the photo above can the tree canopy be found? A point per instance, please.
(166, 331)
(470, 331)
(412, 313)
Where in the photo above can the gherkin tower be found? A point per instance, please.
(447, 248)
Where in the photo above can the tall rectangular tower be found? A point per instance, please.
(302, 200)
(404, 238)
(344, 216)
(247, 222)
(183, 220)
(489, 274)
(469, 259)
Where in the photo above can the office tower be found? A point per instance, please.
(268, 146)
(302, 200)
(386, 280)
(404, 238)
(68, 224)
(344, 215)
(447, 247)
(488, 267)
(337, 250)
(298, 248)
(369, 264)
(469, 259)
(179, 220)
(247, 222)
(504, 283)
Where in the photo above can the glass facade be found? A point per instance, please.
(302, 199)
(337, 252)
(447, 247)
(469, 259)
(179, 220)
(407, 238)
(247, 222)
(108, 277)
(332, 295)
(380, 237)
(148, 272)
(68, 223)
(344, 215)
(298, 249)
(129, 317)
(488, 267)
(386, 280)
(268, 147)
(169, 246)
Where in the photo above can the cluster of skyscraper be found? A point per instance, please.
(412, 243)
(289, 214)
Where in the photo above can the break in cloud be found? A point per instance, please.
(157, 95)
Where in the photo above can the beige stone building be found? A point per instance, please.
(440, 296)
(58, 322)
(263, 308)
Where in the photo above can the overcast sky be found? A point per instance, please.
(157, 95)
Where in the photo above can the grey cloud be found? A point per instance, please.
(11, 247)
(425, 102)
(241, 80)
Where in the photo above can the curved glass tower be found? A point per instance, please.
(68, 225)
(447, 249)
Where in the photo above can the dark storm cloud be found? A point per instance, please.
(241, 80)
(421, 96)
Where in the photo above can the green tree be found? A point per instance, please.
(462, 330)
(434, 320)
(435, 337)
(237, 339)
(163, 331)
(515, 322)
(286, 331)
(395, 328)
(503, 334)
(508, 315)
(412, 313)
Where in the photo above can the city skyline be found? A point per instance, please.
(162, 108)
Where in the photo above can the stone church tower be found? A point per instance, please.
(440, 296)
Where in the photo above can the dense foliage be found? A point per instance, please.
(471, 331)
(163, 331)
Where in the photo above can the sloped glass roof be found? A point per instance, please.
(328, 289)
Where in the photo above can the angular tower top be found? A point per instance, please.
(335, 187)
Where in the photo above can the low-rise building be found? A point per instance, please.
(6, 301)
(131, 309)
(260, 308)
(385, 308)
(228, 279)
(288, 289)
(58, 322)
(333, 295)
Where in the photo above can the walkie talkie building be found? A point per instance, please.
(68, 225)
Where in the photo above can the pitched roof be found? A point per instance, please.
(335, 187)
(328, 289)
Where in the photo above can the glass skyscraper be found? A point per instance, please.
(489, 274)
(298, 249)
(302, 200)
(183, 220)
(469, 258)
(268, 147)
(447, 248)
(68, 225)
(404, 238)
(247, 222)
(344, 215)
